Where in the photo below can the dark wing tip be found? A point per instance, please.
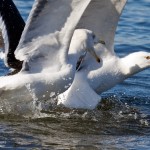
(13, 26)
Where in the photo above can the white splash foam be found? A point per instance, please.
(2, 55)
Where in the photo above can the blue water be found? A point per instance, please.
(121, 122)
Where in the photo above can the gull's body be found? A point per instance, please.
(93, 79)
(46, 68)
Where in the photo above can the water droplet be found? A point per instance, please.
(52, 94)
(66, 86)
(77, 90)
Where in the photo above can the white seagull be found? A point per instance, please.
(93, 79)
(44, 68)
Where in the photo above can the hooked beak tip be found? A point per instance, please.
(98, 59)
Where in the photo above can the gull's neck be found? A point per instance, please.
(75, 51)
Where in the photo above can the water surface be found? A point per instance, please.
(122, 121)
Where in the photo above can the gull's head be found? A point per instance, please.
(137, 61)
(84, 41)
(142, 59)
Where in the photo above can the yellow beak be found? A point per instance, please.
(93, 53)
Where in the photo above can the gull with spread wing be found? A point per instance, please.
(40, 57)
(93, 79)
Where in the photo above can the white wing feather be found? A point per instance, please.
(80, 94)
(102, 16)
(51, 22)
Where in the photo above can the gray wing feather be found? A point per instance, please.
(102, 16)
(50, 19)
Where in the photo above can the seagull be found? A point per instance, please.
(93, 79)
(39, 55)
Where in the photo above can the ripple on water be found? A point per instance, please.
(59, 127)
(122, 121)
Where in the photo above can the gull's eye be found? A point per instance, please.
(147, 57)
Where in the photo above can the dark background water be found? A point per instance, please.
(121, 122)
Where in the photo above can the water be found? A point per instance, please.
(122, 121)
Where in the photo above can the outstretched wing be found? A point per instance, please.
(102, 16)
(51, 22)
(12, 26)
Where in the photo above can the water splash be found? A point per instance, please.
(2, 55)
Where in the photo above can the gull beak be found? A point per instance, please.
(93, 53)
